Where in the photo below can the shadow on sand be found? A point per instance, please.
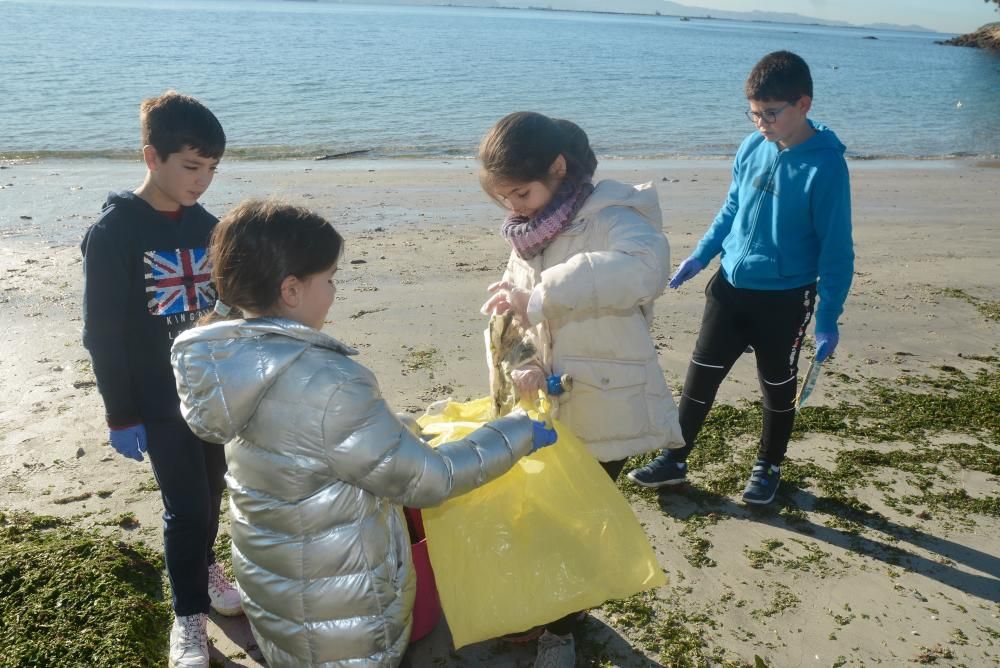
(684, 501)
(596, 644)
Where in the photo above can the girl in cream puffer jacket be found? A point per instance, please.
(319, 467)
(587, 263)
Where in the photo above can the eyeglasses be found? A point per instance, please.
(768, 115)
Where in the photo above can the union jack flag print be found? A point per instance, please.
(178, 281)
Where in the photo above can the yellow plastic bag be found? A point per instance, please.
(550, 537)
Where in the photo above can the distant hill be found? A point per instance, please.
(664, 7)
(987, 37)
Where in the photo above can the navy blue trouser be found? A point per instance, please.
(774, 322)
(191, 474)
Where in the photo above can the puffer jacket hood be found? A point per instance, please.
(641, 198)
(216, 411)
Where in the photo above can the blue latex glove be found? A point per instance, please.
(129, 441)
(826, 343)
(541, 436)
(686, 271)
(554, 386)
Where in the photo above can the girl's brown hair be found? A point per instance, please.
(522, 146)
(260, 243)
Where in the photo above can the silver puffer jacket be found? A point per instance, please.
(318, 469)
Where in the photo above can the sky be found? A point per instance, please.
(957, 16)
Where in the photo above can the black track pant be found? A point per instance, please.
(191, 474)
(773, 322)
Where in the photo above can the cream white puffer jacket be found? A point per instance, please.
(318, 469)
(597, 281)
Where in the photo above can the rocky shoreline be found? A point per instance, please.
(987, 37)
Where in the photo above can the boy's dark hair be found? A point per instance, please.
(522, 146)
(781, 76)
(260, 243)
(171, 122)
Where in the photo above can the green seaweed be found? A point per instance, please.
(70, 597)
(989, 309)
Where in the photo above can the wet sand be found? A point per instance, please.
(422, 244)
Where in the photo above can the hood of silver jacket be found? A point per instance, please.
(234, 350)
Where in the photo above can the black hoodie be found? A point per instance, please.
(146, 279)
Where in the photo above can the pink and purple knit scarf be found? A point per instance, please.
(530, 236)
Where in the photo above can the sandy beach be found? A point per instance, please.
(901, 576)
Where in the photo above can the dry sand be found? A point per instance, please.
(422, 246)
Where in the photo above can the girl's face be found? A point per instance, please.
(525, 199)
(311, 298)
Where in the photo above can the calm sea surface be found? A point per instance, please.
(304, 78)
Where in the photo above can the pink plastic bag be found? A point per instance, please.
(426, 605)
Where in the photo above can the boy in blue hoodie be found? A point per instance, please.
(784, 234)
(146, 280)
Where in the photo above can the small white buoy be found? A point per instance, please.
(958, 105)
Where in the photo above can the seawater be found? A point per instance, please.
(298, 79)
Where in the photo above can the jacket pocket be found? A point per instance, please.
(608, 399)
(792, 264)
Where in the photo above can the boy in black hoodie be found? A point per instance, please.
(146, 279)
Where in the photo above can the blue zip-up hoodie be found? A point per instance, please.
(787, 221)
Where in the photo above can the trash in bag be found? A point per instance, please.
(507, 348)
(550, 537)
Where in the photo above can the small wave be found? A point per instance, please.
(958, 155)
(268, 153)
(252, 153)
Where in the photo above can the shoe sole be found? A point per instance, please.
(761, 502)
(657, 485)
(228, 612)
(172, 664)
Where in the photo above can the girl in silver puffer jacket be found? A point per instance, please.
(319, 467)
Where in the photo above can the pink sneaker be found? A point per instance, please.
(225, 597)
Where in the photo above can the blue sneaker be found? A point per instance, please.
(660, 472)
(763, 483)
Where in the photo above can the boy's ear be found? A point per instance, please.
(804, 104)
(558, 167)
(151, 157)
(291, 291)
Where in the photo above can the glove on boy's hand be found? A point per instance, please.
(541, 436)
(129, 441)
(826, 343)
(686, 271)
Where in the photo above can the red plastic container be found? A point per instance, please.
(426, 605)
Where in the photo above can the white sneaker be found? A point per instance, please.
(189, 642)
(555, 651)
(225, 597)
